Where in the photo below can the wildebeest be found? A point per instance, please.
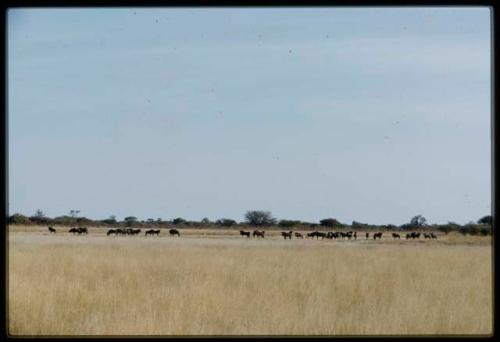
(298, 235)
(111, 231)
(174, 232)
(396, 236)
(413, 235)
(121, 231)
(377, 235)
(287, 235)
(427, 236)
(367, 236)
(73, 230)
(317, 235)
(434, 236)
(52, 230)
(243, 233)
(152, 232)
(136, 231)
(258, 233)
(355, 236)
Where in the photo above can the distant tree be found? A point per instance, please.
(225, 222)
(130, 220)
(288, 223)
(110, 220)
(471, 229)
(418, 221)
(260, 218)
(205, 221)
(83, 221)
(449, 227)
(486, 220)
(179, 220)
(73, 213)
(39, 214)
(19, 219)
(39, 218)
(356, 224)
(150, 220)
(330, 222)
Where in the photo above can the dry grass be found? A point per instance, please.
(98, 285)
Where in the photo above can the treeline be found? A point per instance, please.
(255, 218)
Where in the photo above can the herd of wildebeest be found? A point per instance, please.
(260, 234)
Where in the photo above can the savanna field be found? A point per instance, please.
(216, 282)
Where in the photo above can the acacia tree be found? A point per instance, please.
(486, 220)
(130, 220)
(260, 218)
(418, 221)
(330, 222)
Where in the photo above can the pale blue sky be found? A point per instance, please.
(366, 114)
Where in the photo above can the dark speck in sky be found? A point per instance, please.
(289, 51)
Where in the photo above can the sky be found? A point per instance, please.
(367, 114)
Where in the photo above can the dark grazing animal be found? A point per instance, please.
(136, 231)
(317, 235)
(52, 230)
(377, 235)
(355, 235)
(367, 236)
(427, 236)
(111, 231)
(433, 236)
(258, 233)
(298, 235)
(150, 232)
(73, 230)
(82, 230)
(287, 235)
(396, 236)
(243, 233)
(414, 235)
(174, 232)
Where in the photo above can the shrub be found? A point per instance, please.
(225, 222)
(179, 220)
(288, 223)
(330, 222)
(260, 218)
(19, 219)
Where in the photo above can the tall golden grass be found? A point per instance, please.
(98, 285)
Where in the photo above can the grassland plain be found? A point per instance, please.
(214, 282)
